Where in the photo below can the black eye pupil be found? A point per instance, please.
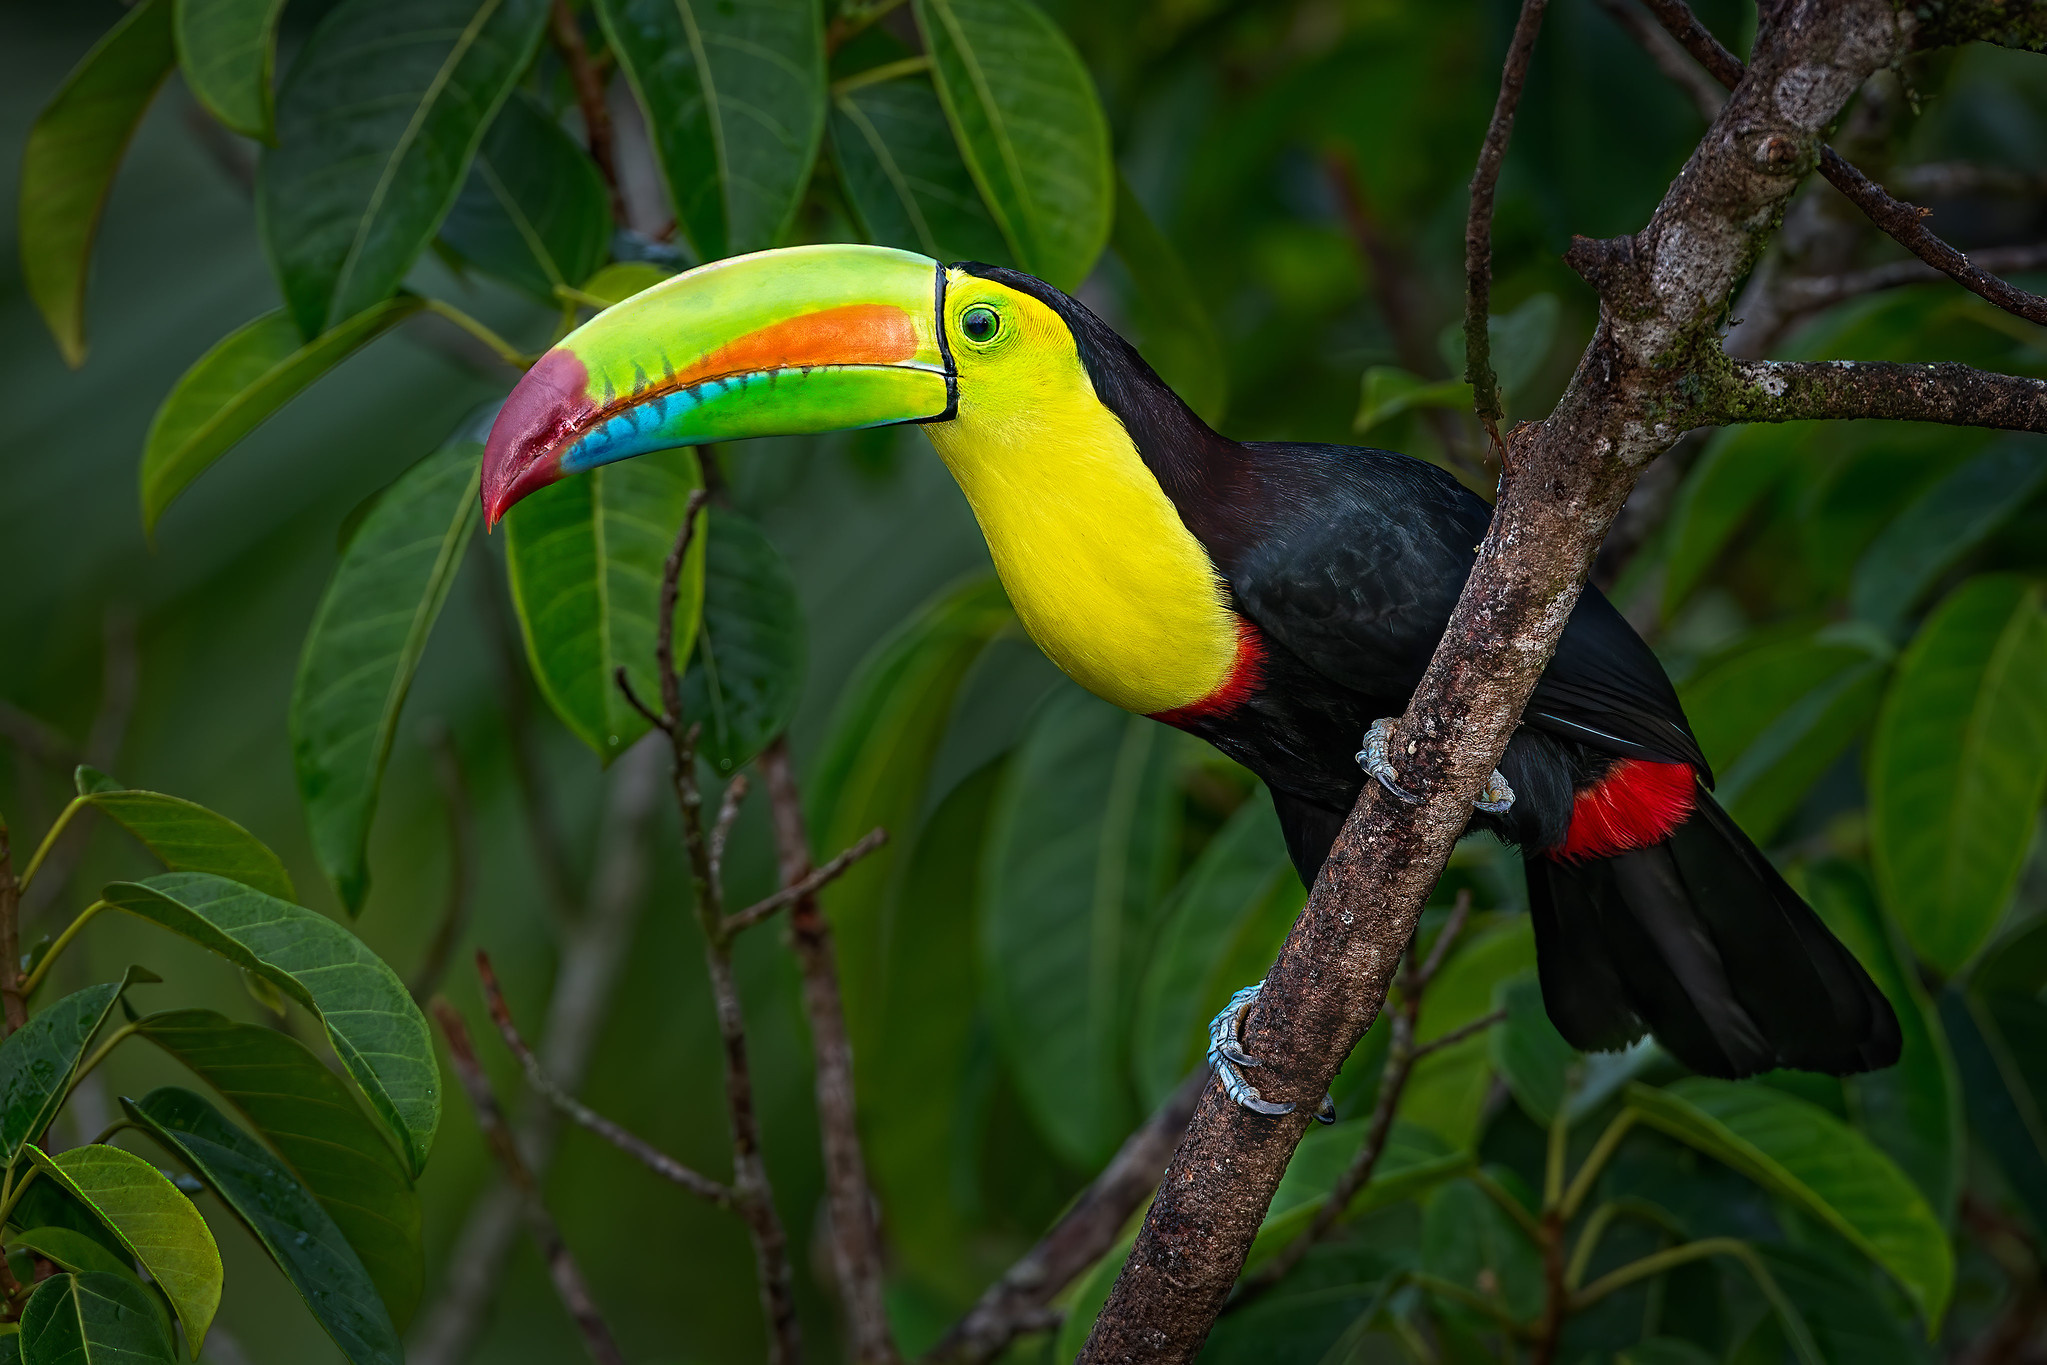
(979, 323)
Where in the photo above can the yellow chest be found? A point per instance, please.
(1103, 573)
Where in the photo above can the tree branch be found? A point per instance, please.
(589, 86)
(1948, 393)
(807, 886)
(1955, 179)
(1814, 292)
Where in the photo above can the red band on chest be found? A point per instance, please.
(1246, 673)
(1637, 804)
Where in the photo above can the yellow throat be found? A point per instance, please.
(1103, 573)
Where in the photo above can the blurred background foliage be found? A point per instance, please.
(1269, 198)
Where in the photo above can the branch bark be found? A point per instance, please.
(1663, 292)
(1951, 394)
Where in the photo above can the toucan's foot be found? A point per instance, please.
(1498, 796)
(1226, 1057)
(1372, 758)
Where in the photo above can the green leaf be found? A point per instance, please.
(93, 1319)
(1078, 849)
(1739, 467)
(1470, 1240)
(1958, 766)
(735, 99)
(1520, 341)
(1912, 1110)
(746, 676)
(376, 123)
(1999, 1038)
(71, 1249)
(1945, 523)
(904, 178)
(308, 1115)
(365, 644)
(229, 392)
(283, 1216)
(1084, 1303)
(227, 49)
(1168, 322)
(185, 835)
(370, 1019)
(585, 557)
(153, 1220)
(1807, 1156)
(1389, 391)
(876, 764)
(1447, 1091)
(69, 160)
(1415, 1161)
(1030, 128)
(1847, 1319)
(1530, 1055)
(1773, 720)
(1222, 927)
(535, 211)
(38, 1060)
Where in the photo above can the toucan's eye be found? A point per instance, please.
(980, 323)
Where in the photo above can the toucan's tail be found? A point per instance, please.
(1698, 940)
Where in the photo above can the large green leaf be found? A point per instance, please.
(282, 1214)
(69, 160)
(308, 1115)
(185, 835)
(1773, 720)
(1415, 1161)
(876, 764)
(1078, 848)
(366, 641)
(535, 211)
(376, 1030)
(1528, 1052)
(1958, 766)
(1026, 119)
(376, 123)
(1912, 1110)
(1738, 468)
(71, 1249)
(1446, 1093)
(1945, 523)
(1806, 1155)
(735, 99)
(227, 49)
(247, 376)
(585, 557)
(1848, 1320)
(746, 676)
(1469, 1240)
(903, 174)
(154, 1221)
(1222, 927)
(93, 1319)
(38, 1059)
(1168, 322)
(2000, 1046)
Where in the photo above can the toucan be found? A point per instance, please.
(1277, 599)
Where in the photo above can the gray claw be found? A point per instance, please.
(1325, 1112)
(1226, 1055)
(1233, 1053)
(1372, 758)
(1497, 798)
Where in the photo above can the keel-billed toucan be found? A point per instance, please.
(1274, 599)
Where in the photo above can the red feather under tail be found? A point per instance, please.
(1636, 804)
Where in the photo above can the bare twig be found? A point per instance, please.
(561, 1265)
(728, 812)
(634, 1146)
(809, 885)
(1956, 179)
(1677, 65)
(1478, 228)
(461, 864)
(1021, 1300)
(589, 86)
(1813, 292)
(38, 739)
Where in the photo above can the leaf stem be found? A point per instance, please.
(875, 75)
(49, 842)
(99, 1054)
(502, 349)
(1595, 1161)
(63, 941)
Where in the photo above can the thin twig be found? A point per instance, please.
(38, 739)
(561, 1265)
(461, 864)
(810, 884)
(634, 1146)
(589, 85)
(1478, 228)
(721, 830)
(1955, 179)
(1814, 292)
(1677, 65)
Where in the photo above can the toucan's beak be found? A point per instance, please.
(780, 343)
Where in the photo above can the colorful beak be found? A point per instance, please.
(780, 343)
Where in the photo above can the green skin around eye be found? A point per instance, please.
(979, 323)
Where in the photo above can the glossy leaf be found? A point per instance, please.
(1999, 1038)
(1530, 1055)
(1958, 766)
(534, 211)
(735, 98)
(69, 161)
(227, 50)
(1773, 720)
(1388, 391)
(1447, 1091)
(70, 1249)
(1739, 466)
(1415, 1161)
(1469, 1240)
(876, 763)
(1945, 523)
(370, 1019)
(366, 641)
(376, 123)
(1168, 322)
(1847, 1320)
(1806, 1155)
(1226, 918)
(1025, 117)
(38, 1060)
(232, 389)
(903, 174)
(93, 1319)
(154, 1221)
(585, 557)
(184, 835)
(306, 1113)
(746, 675)
(283, 1216)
